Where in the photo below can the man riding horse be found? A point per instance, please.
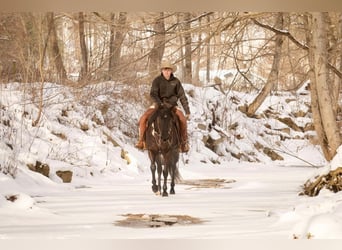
(166, 90)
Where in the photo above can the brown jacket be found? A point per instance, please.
(169, 91)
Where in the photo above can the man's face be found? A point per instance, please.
(167, 73)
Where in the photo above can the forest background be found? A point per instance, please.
(269, 51)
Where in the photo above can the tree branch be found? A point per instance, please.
(295, 41)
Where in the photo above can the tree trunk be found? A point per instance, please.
(314, 95)
(55, 52)
(117, 44)
(333, 49)
(198, 62)
(273, 76)
(181, 52)
(208, 51)
(340, 57)
(84, 51)
(319, 52)
(317, 119)
(158, 49)
(187, 41)
(111, 46)
(338, 80)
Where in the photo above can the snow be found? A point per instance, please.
(111, 178)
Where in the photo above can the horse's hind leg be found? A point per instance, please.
(174, 174)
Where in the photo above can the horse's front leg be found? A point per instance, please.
(165, 174)
(172, 189)
(153, 171)
(159, 170)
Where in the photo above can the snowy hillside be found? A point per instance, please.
(90, 133)
(85, 130)
(265, 138)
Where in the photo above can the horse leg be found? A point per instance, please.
(165, 174)
(160, 168)
(153, 170)
(174, 173)
(153, 167)
(172, 189)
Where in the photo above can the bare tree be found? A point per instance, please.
(324, 116)
(111, 45)
(273, 76)
(116, 43)
(158, 49)
(187, 45)
(84, 51)
(54, 49)
(136, 43)
(208, 51)
(19, 53)
(334, 35)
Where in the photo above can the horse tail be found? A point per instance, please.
(177, 176)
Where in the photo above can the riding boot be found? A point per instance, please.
(141, 144)
(184, 147)
(184, 144)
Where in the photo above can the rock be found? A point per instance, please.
(66, 176)
(290, 123)
(331, 181)
(125, 155)
(273, 155)
(41, 168)
(202, 126)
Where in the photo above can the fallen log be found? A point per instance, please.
(331, 181)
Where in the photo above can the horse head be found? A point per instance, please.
(165, 122)
(162, 133)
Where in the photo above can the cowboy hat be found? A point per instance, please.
(167, 65)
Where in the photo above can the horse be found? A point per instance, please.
(162, 142)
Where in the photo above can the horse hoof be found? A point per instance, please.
(172, 192)
(154, 189)
(165, 194)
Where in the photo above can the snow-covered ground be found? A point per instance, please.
(263, 203)
(259, 201)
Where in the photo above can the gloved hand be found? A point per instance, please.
(167, 105)
(187, 116)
